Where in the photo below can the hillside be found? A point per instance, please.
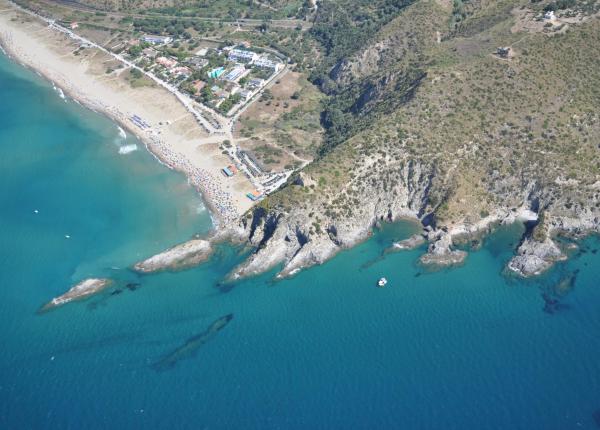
(428, 120)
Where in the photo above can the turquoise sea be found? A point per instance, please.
(461, 349)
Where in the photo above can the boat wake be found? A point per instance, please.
(126, 149)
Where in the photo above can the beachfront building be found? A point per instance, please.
(242, 56)
(157, 40)
(229, 171)
(254, 195)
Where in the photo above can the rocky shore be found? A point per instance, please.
(179, 257)
(440, 252)
(80, 291)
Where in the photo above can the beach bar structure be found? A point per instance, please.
(254, 195)
(229, 171)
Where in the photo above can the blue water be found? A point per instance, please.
(467, 348)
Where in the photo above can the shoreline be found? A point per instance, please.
(222, 207)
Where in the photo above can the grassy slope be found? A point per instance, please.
(225, 9)
(489, 126)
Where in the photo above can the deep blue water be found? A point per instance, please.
(461, 349)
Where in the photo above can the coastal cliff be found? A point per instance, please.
(482, 140)
(428, 120)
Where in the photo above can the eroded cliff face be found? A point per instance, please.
(288, 239)
(297, 238)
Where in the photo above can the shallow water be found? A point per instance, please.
(457, 349)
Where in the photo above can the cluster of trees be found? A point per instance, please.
(560, 4)
(136, 50)
(342, 28)
(173, 26)
(230, 102)
(235, 9)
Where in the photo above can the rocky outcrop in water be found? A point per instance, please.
(80, 291)
(441, 252)
(179, 257)
(534, 257)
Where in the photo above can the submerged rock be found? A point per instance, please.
(412, 242)
(192, 344)
(80, 291)
(132, 286)
(179, 257)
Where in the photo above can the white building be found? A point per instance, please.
(246, 95)
(241, 55)
(157, 40)
(265, 63)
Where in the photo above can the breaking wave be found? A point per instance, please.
(60, 92)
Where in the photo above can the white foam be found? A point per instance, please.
(60, 92)
(200, 208)
(122, 133)
(126, 149)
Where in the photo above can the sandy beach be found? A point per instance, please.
(173, 135)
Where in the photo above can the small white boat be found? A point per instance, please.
(382, 282)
